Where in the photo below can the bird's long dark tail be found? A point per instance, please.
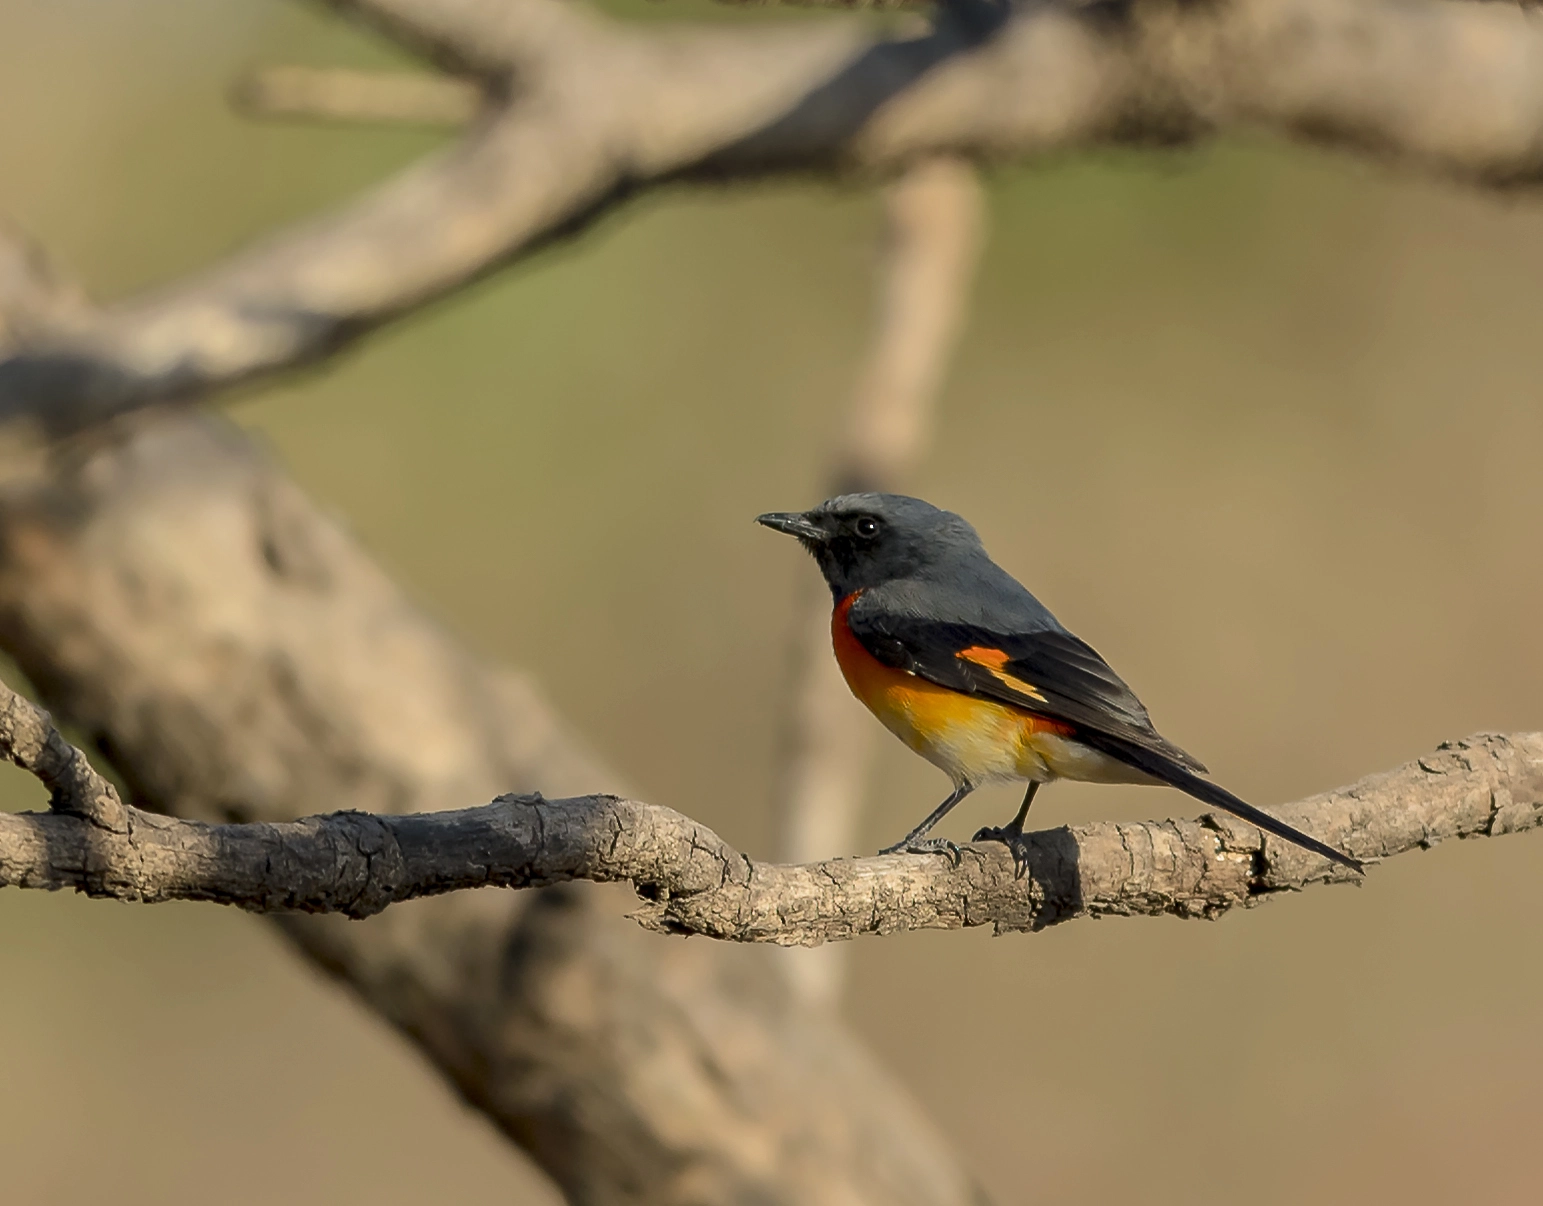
(1171, 773)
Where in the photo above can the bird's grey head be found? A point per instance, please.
(865, 540)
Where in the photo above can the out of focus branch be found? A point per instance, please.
(34, 298)
(188, 609)
(693, 882)
(339, 94)
(847, 5)
(932, 235)
(583, 113)
(933, 219)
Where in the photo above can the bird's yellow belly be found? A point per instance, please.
(969, 738)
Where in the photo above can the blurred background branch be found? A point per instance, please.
(933, 217)
(280, 674)
(603, 111)
(340, 94)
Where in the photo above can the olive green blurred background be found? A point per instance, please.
(1263, 425)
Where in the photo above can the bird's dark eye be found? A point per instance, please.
(867, 527)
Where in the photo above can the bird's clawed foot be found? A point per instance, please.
(909, 845)
(1013, 838)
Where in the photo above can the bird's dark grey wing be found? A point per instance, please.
(1052, 673)
(1047, 671)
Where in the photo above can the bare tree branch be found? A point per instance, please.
(584, 113)
(932, 236)
(693, 882)
(933, 231)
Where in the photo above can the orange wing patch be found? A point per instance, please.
(993, 660)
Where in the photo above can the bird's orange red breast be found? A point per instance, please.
(972, 738)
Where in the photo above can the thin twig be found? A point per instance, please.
(340, 94)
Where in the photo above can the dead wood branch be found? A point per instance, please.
(693, 882)
(602, 110)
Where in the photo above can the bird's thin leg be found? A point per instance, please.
(1011, 834)
(917, 841)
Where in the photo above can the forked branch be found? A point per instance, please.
(578, 114)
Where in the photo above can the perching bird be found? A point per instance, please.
(971, 671)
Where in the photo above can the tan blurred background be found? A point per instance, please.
(1263, 426)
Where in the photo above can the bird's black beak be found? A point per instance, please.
(794, 524)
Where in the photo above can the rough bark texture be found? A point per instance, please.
(693, 882)
(29, 740)
(238, 658)
(582, 113)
